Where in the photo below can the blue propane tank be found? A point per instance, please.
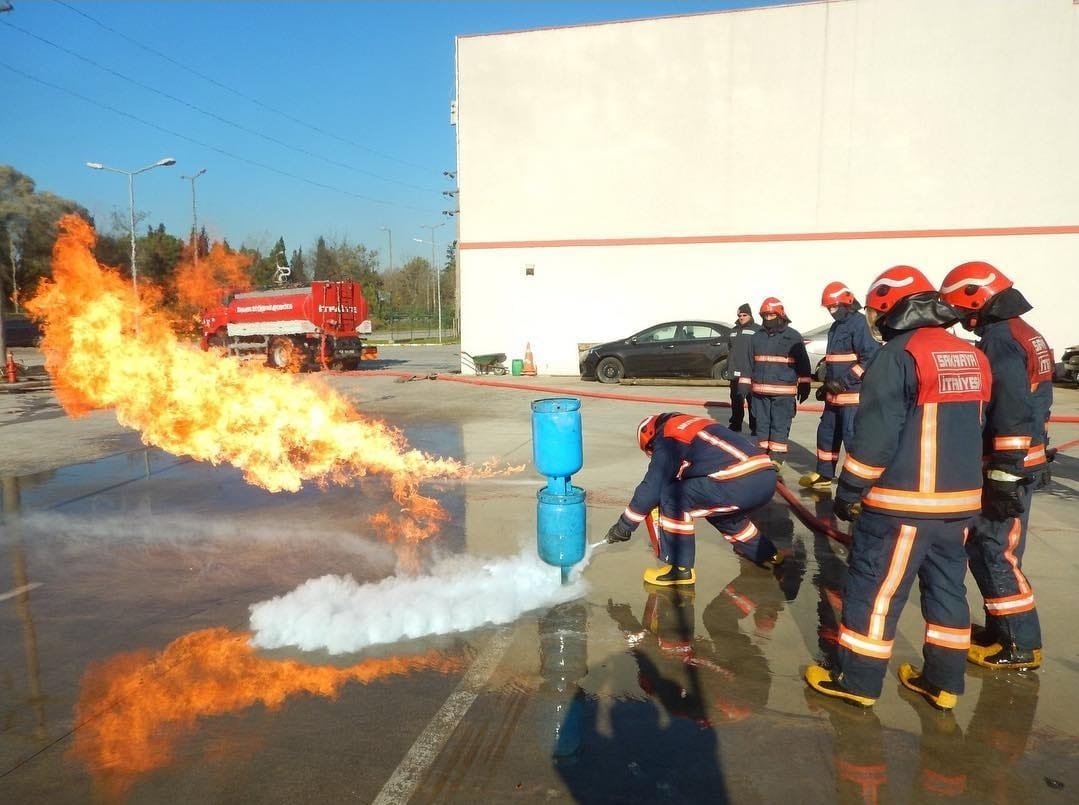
(557, 450)
(560, 526)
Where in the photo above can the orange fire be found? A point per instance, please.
(199, 285)
(133, 708)
(105, 349)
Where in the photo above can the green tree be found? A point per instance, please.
(28, 222)
(299, 268)
(157, 254)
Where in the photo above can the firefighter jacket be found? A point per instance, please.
(1015, 432)
(922, 408)
(692, 447)
(740, 353)
(850, 349)
(780, 362)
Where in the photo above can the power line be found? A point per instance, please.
(238, 93)
(212, 115)
(201, 144)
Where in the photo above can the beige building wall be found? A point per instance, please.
(613, 176)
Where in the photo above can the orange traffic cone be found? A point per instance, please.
(529, 369)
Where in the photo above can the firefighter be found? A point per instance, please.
(780, 373)
(913, 481)
(1014, 445)
(850, 349)
(739, 368)
(698, 468)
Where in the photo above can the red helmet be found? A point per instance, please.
(971, 285)
(895, 284)
(836, 293)
(773, 305)
(646, 431)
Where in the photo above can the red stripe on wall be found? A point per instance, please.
(882, 234)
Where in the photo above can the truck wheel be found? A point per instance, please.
(284, 354)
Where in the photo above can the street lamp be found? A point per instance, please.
(161, 163)
(438, 279)
(389, 233)
(194, 217)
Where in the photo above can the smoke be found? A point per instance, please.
(458, 594)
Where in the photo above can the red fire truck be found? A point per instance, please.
(309, 327)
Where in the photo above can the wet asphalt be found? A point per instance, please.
(126, 675)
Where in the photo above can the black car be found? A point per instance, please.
(20, 331)
(672, 349)
(1068, 367)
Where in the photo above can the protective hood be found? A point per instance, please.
(1007, 304)
(775, 325)
(925, 309)
(841, 312)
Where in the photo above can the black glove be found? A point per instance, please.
(819, 393)
(618, 533)
(803, 391)
(848, 502)
(833, 385)
(1000, 497)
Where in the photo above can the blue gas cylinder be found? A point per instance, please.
(560, 526)
(557, 449)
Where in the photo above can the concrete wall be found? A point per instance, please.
(677, 167)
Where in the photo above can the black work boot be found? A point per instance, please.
(670, 575)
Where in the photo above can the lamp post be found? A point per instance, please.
(161, 163)
(389, 234)
(438, 279)
(194, 216)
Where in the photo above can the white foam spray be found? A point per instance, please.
(458, 594)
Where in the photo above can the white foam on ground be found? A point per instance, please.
(458, 594)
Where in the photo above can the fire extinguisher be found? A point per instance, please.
(11, 368)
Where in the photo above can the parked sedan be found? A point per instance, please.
(20, 331)
(816, 344)
(672, 349)
(1068, 368)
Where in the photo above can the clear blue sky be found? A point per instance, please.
(309, 117)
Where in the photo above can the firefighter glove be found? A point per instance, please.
(819, 393)
(618, 533)
(833, 385)
(848, 502)
(1000, 495)
(803, 391)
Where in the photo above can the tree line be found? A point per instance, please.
(28, 229)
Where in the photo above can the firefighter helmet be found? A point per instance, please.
(970, 286)
(646, 432)
(836, 293)
(895, 284)
(773, 305)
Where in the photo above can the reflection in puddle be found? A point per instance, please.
(133, 708)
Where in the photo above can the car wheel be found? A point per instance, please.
(719, 370)
(609, 370)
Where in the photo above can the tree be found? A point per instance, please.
(27, 232)
(299, 268)
(157, 255)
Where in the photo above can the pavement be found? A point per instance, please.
(127, 672)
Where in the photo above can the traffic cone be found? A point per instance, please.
(529, 368)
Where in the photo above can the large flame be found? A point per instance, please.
(105, 349)
(133, 708)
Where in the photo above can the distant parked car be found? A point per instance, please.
(689, 348)
(20, 331)
(1068, 367)
(816, 344)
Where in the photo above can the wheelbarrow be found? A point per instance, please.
(491, 364)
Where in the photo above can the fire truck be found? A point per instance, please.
(296, 329)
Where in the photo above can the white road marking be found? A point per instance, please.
(406, 777)
(19, 590)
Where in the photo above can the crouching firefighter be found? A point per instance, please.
(915, 471)
(698, 468)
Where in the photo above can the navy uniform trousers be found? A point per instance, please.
(835, 429)
(887, 553)
(725, 504)
(995, 550)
